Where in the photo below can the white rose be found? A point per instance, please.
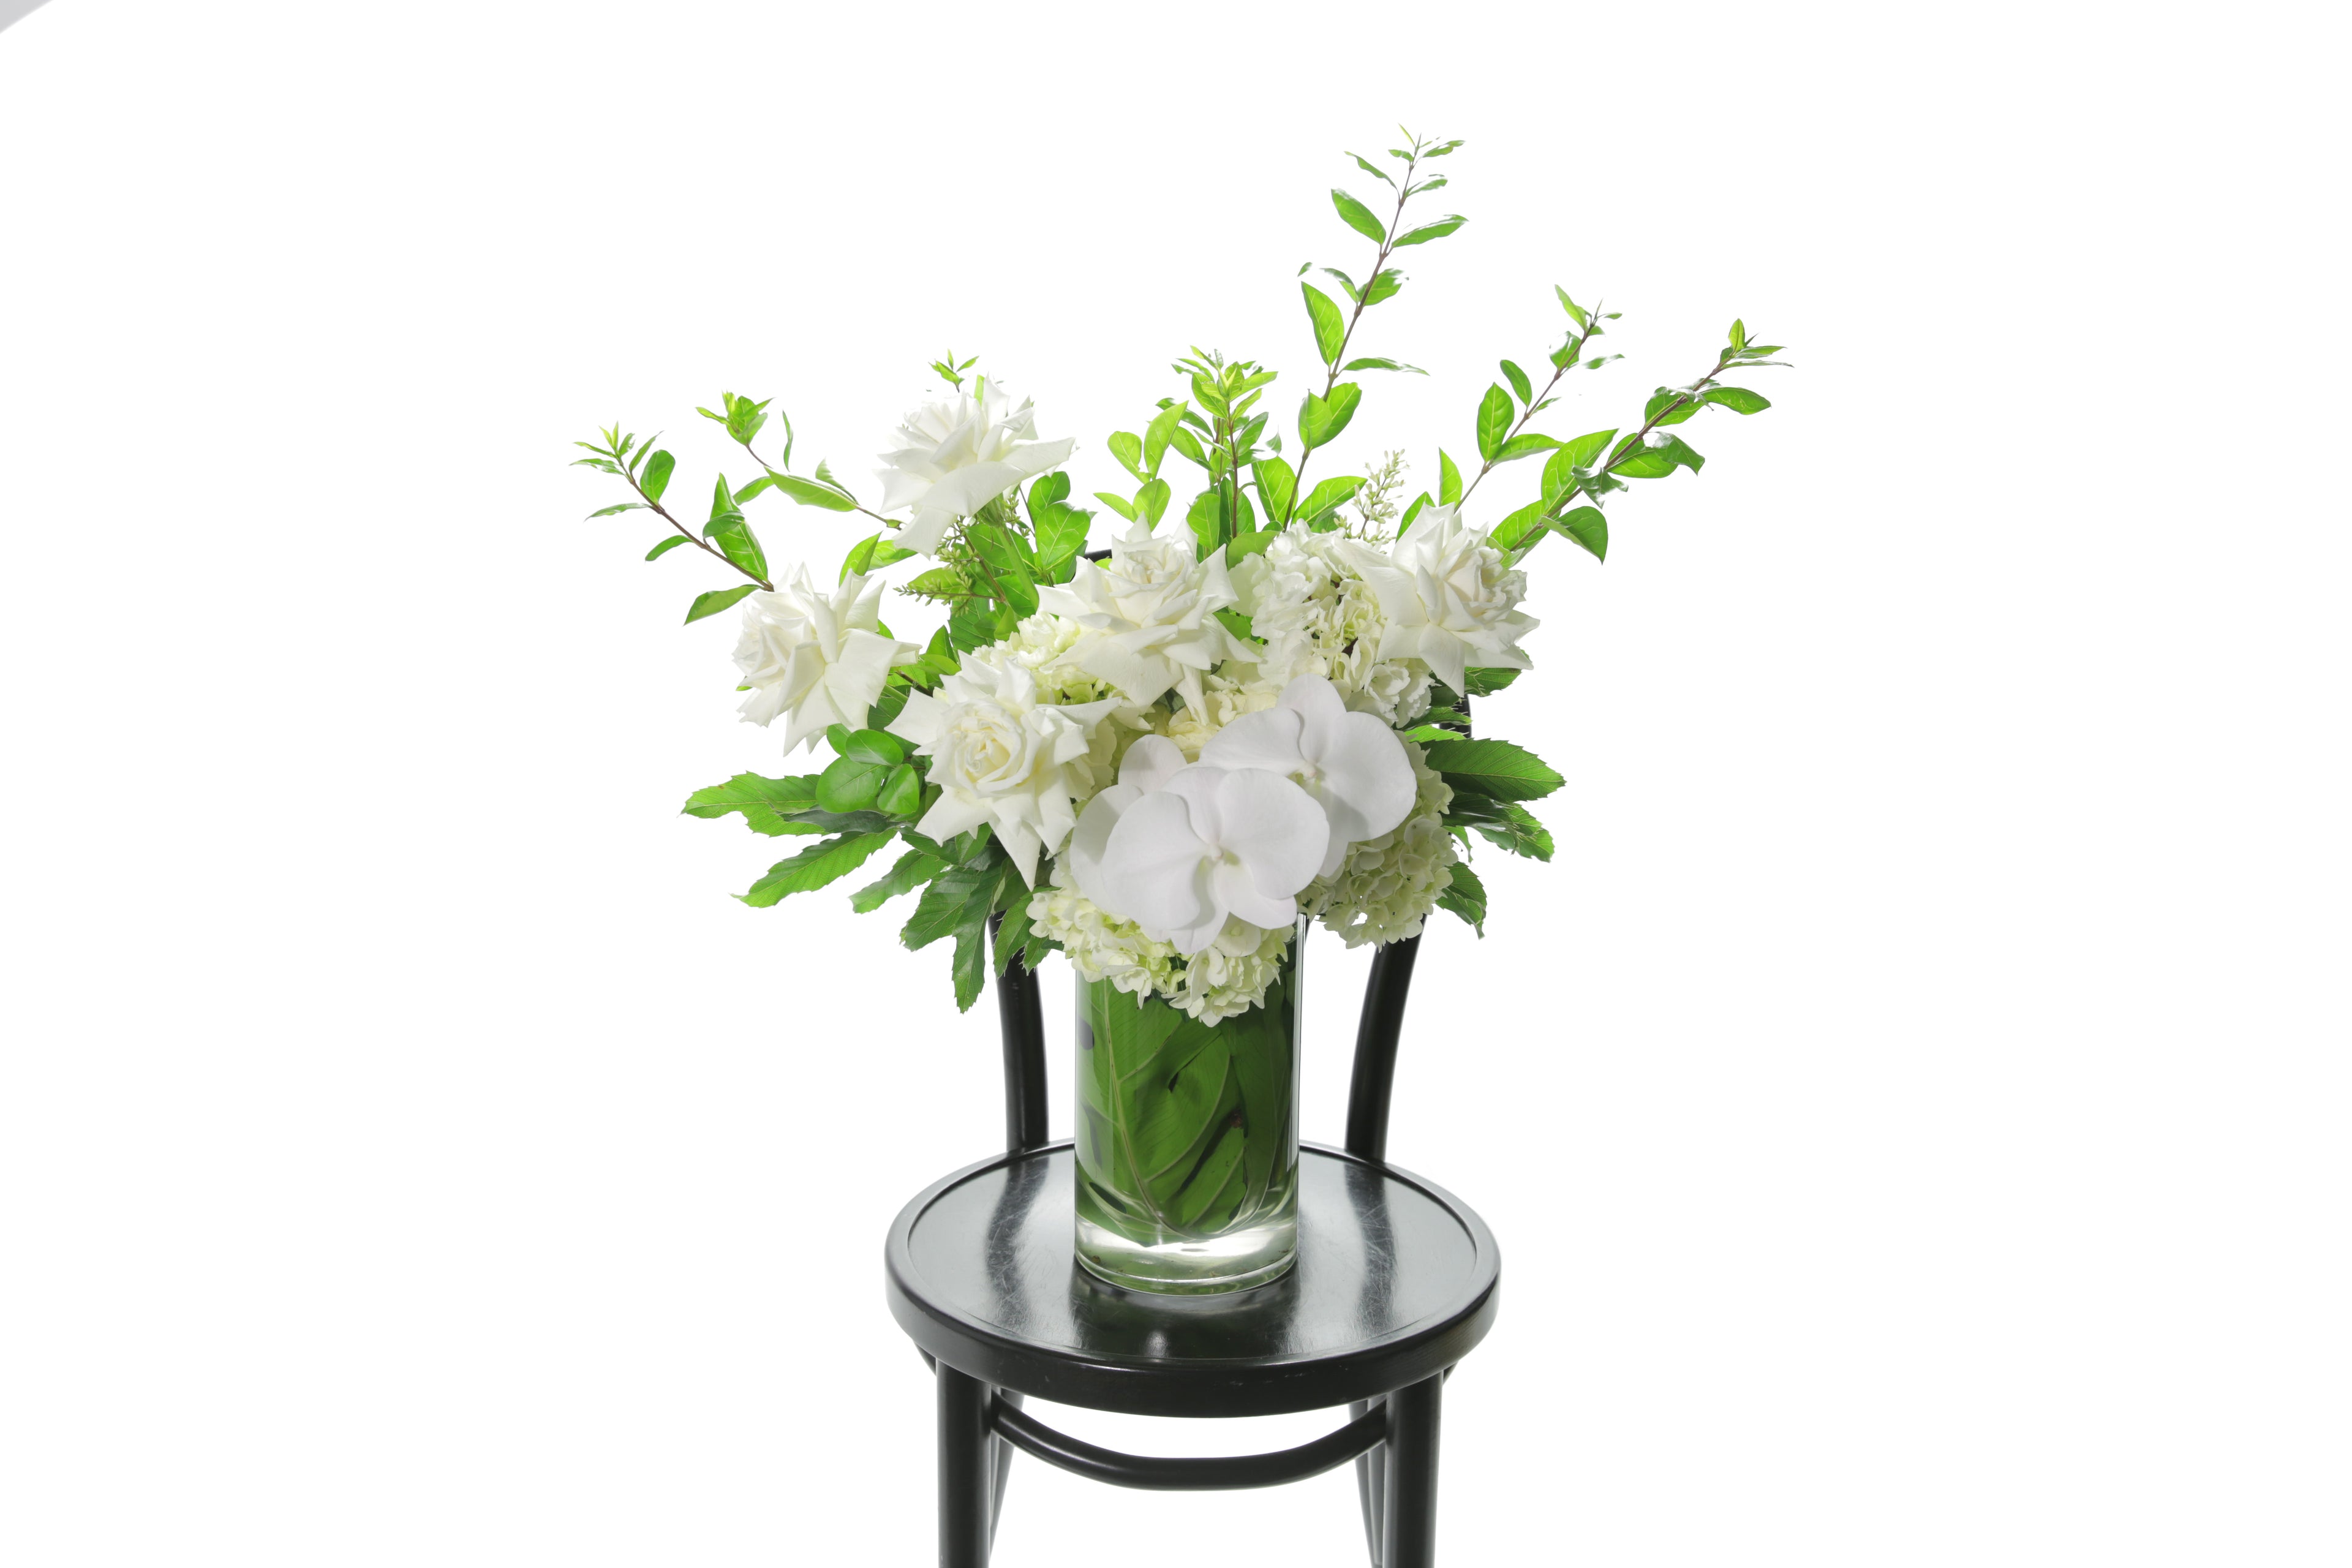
(1148, 615)
(959, 454)
(816, 657)
(1447, 598)
(1002, 757)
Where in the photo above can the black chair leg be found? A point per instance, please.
(1371, 1476)
(1412, 1501)
(966, 1484)
(1003, 1452)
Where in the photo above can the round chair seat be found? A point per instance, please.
(1396, 1281)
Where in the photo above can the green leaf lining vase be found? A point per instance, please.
(1188, 1139)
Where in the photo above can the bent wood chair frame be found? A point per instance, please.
(1392, 1437)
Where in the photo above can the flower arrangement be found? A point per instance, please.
(1250, 709)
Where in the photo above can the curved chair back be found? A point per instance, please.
(1022, 1021)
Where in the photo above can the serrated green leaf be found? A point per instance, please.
(1506, 824)
(815, 866)
(767, 804)
(717, 599)
(1430, 231)
(1330, 328)
(911, 870)
(1466, 896)
(1357, 215)
(955, 899)
(1321, 419)
(1494, 768)
(1495, 413)
(1012, 931)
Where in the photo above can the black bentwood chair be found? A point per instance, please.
(1395, 1282)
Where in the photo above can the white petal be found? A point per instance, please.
(1443, 653)
(1092, 835)
(954, 812)
(1274, 827)
(923, 535)
(921, 719)
(1150, 866)
(1268, 739)
(1202, 934)
(1236, 889)
(1150, 763)
(1367, 786)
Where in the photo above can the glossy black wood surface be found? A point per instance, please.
(1396, 1281)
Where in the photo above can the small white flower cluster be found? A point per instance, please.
(1228, 977)
(1310, 605)
(1388, 885)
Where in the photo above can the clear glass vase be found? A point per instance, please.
(1188, 1139)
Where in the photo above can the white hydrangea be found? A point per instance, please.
(1101, 945)
(1232, 974)
(1223, 700)
(1388, 885)
(1310, 605)
(1223, 979)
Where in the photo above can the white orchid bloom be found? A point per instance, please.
(1002, 757)
(1150, 615)
(1209, 843)
(959, 454)
(1150, 764)
(1351, 763)
(817, 657)
(1447, 597)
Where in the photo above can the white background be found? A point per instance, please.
(1913, 1104)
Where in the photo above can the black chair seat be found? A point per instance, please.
(1396, 1281)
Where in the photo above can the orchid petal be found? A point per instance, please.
(1273, 828)
(1149, 866)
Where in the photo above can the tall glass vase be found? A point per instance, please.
(1188, 1139)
